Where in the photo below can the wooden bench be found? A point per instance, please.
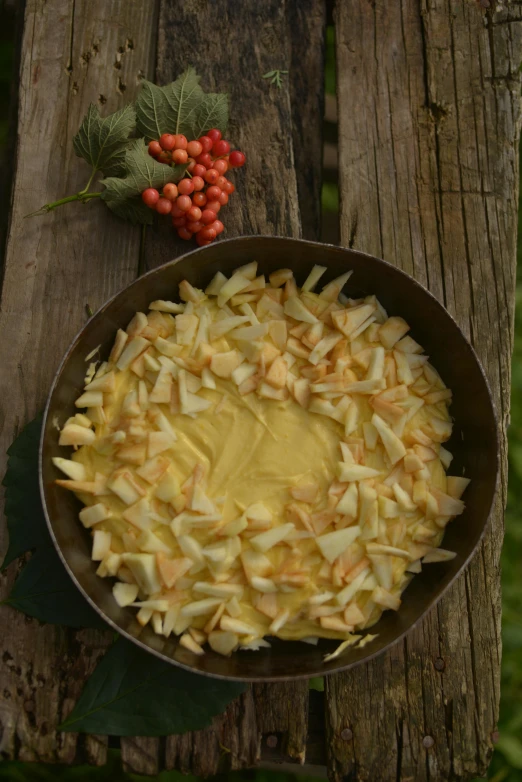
(429, 116)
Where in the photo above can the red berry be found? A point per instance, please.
(194, 213)
(184, 202)
(211, 176)
(223, 198)
(221, 181)
(185, 187)
(179, 222)
(198, 170)
(154, 148)
(199, 199)
(220, 165)
(167, 141)
(194, 226)
(150, 197)
(177, 212)
(191, 165)
(181, 141)
(214, 206)
(218, 226)
(236, 159)
(208, 216)
(208, 233)
(198, 182)
(206, 143)
(179, 156)
(214, 134)
(229, 187)
(194, 148)
(213, 192)
(221, 148)
(199, 240)
(204, 160)
(164, 206)
(184, 234)
(170, 191)
(164, 157)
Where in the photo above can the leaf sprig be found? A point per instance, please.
(109, 144)
(275, 77)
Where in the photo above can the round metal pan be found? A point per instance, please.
(473, 443)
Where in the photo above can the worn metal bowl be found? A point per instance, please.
(474, 445)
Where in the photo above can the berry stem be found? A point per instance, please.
(82, 196)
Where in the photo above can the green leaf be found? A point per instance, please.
(133, 210)
(102, 141)
(132, 693)
(123, 194)
(212, 112)
(23, 508)
(45, 590)
(316, 684)
(169, 109)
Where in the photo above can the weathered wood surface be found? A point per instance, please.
(429, 120)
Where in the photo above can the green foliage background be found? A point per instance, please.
(507, 760)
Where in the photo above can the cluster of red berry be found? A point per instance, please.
(197, 198)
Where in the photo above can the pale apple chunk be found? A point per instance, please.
(348, 320)
(385, 599)
(223, 364)
(125, 594)
(313, 278)
(333, 544)
(223, 642)
(166, 306)
(392, 331)
(294, 308)
(77, 435)
(93, 514)
(143, 568)
(74, 470)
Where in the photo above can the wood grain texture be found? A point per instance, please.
(429, 181)
(73, 53)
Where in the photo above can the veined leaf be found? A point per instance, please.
(212, 112)
(169, 109)
(102, 141)
(122, 194)
(132, 693)
(23, 507)
(44, 590)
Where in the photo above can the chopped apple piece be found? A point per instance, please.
(223, 642)
(313, 278)
(267, 540)
(455, 486)
(133, 348)
(333, 544)
(171, 570)
(223, 364)
(74, 470)
(385, 599)
(294, 308)
(200, 607)
(125, 594)
(277, 373)
(74, 434)
(355, 472)
(235, 284)
(143, 568)
(215, 284)
(348, 503)
(392, 331)
(393, 445)
(332, 291)
(93, 514)
(221, 327)
(348, 320)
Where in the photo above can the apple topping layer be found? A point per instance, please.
(263, 460)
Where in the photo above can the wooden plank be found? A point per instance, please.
(141, 755)
(429, 181)
(73, 53)
(269, 200)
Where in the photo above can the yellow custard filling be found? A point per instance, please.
(262, 460)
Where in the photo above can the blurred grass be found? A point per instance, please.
(507, 760)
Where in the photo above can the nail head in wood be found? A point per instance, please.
(271, 742)
(439, 664)
(346, 734)
(428, 742)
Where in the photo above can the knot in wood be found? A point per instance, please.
(346, 734)
(271, 742)
(428, 742)
(439, 664)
